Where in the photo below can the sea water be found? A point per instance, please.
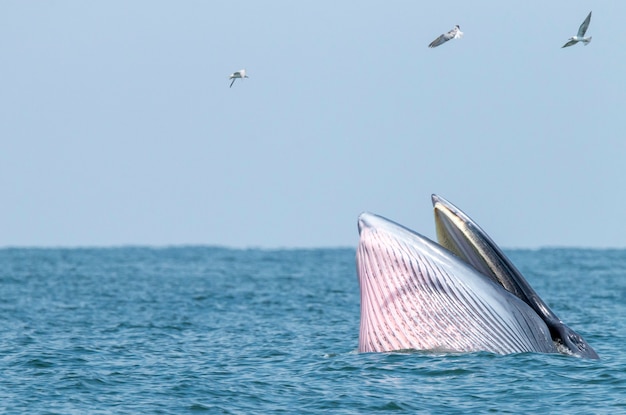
(211, 330)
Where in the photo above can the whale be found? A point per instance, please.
(459, 294)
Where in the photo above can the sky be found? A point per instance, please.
(118, 126)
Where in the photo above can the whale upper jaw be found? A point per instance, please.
(461, 235)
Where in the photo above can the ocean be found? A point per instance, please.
(210, 330)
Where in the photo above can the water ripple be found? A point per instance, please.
(213, 330)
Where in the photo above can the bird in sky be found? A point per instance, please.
(239, 74)
(580, 37)
(452, 34)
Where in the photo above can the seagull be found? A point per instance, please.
(580, 37)
(452, 34)
(239, 74)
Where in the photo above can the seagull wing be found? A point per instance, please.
(583, 27)
(439, 41)
(570, 43)
(443, 38)
(231, 84)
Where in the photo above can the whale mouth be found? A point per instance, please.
(461, 294)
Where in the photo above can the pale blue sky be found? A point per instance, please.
(118, 126)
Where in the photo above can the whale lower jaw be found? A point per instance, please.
(417, 295)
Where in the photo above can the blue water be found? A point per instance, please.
(210, 330)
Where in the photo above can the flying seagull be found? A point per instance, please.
(239, 74)
(452, 34)
(580, 37)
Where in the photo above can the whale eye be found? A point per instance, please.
(578, 341)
